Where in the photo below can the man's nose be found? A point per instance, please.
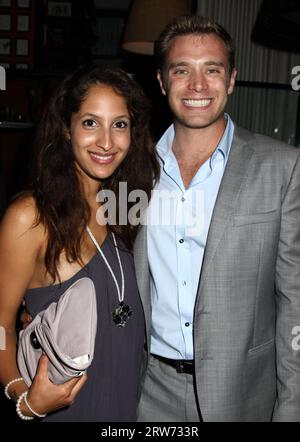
(198, 82)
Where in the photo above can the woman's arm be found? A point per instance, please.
(21, 245)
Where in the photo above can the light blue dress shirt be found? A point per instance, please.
(178, 223)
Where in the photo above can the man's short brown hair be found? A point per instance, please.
(192, 25)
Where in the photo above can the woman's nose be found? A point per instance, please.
(104, 140)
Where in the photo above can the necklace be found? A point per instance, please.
(122, 313)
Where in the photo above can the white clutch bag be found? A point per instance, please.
(65, 332)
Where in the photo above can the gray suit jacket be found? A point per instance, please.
(248, 299)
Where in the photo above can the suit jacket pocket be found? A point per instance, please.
(262, 347)
(256, 218)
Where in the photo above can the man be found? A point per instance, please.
(222, 302)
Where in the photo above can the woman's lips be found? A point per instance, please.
(102, 159)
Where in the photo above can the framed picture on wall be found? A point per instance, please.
(18, 33)
(5, 3)
(59, 9)
(23, 3)
(23, 23)
(5, 22)
(22, 47)
(5, 46)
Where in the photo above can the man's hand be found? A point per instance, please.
(25, 318)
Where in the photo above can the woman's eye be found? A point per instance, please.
(121, 124)
(89, 123)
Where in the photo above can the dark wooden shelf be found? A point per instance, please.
(14, 125)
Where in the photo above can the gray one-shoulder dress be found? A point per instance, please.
(111, 392)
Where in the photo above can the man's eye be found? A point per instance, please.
(213, 71)
(121, 124)
(89, 123)
(181, 72)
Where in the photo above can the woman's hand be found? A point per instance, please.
(45, 397)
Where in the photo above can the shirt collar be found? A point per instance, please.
(164, 145)
(226, 140)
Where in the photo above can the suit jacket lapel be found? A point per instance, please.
(235, 171)
(142, 273)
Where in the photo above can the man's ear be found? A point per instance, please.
(232, 81)
(161, 82)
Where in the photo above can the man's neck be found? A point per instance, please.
(193, 147)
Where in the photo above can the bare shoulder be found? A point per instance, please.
(21, 244)
(21, 219)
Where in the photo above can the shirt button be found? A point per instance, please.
(187, 324)
(181, 241)
(183, 199)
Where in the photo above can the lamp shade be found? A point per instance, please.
(147, 19)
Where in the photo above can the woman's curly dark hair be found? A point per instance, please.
(60, 201)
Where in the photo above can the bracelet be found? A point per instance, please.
(18, 409)
(9, 384)
(31, 409)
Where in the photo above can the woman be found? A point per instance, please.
(94, 136)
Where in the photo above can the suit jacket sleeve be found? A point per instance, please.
(287, 281)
